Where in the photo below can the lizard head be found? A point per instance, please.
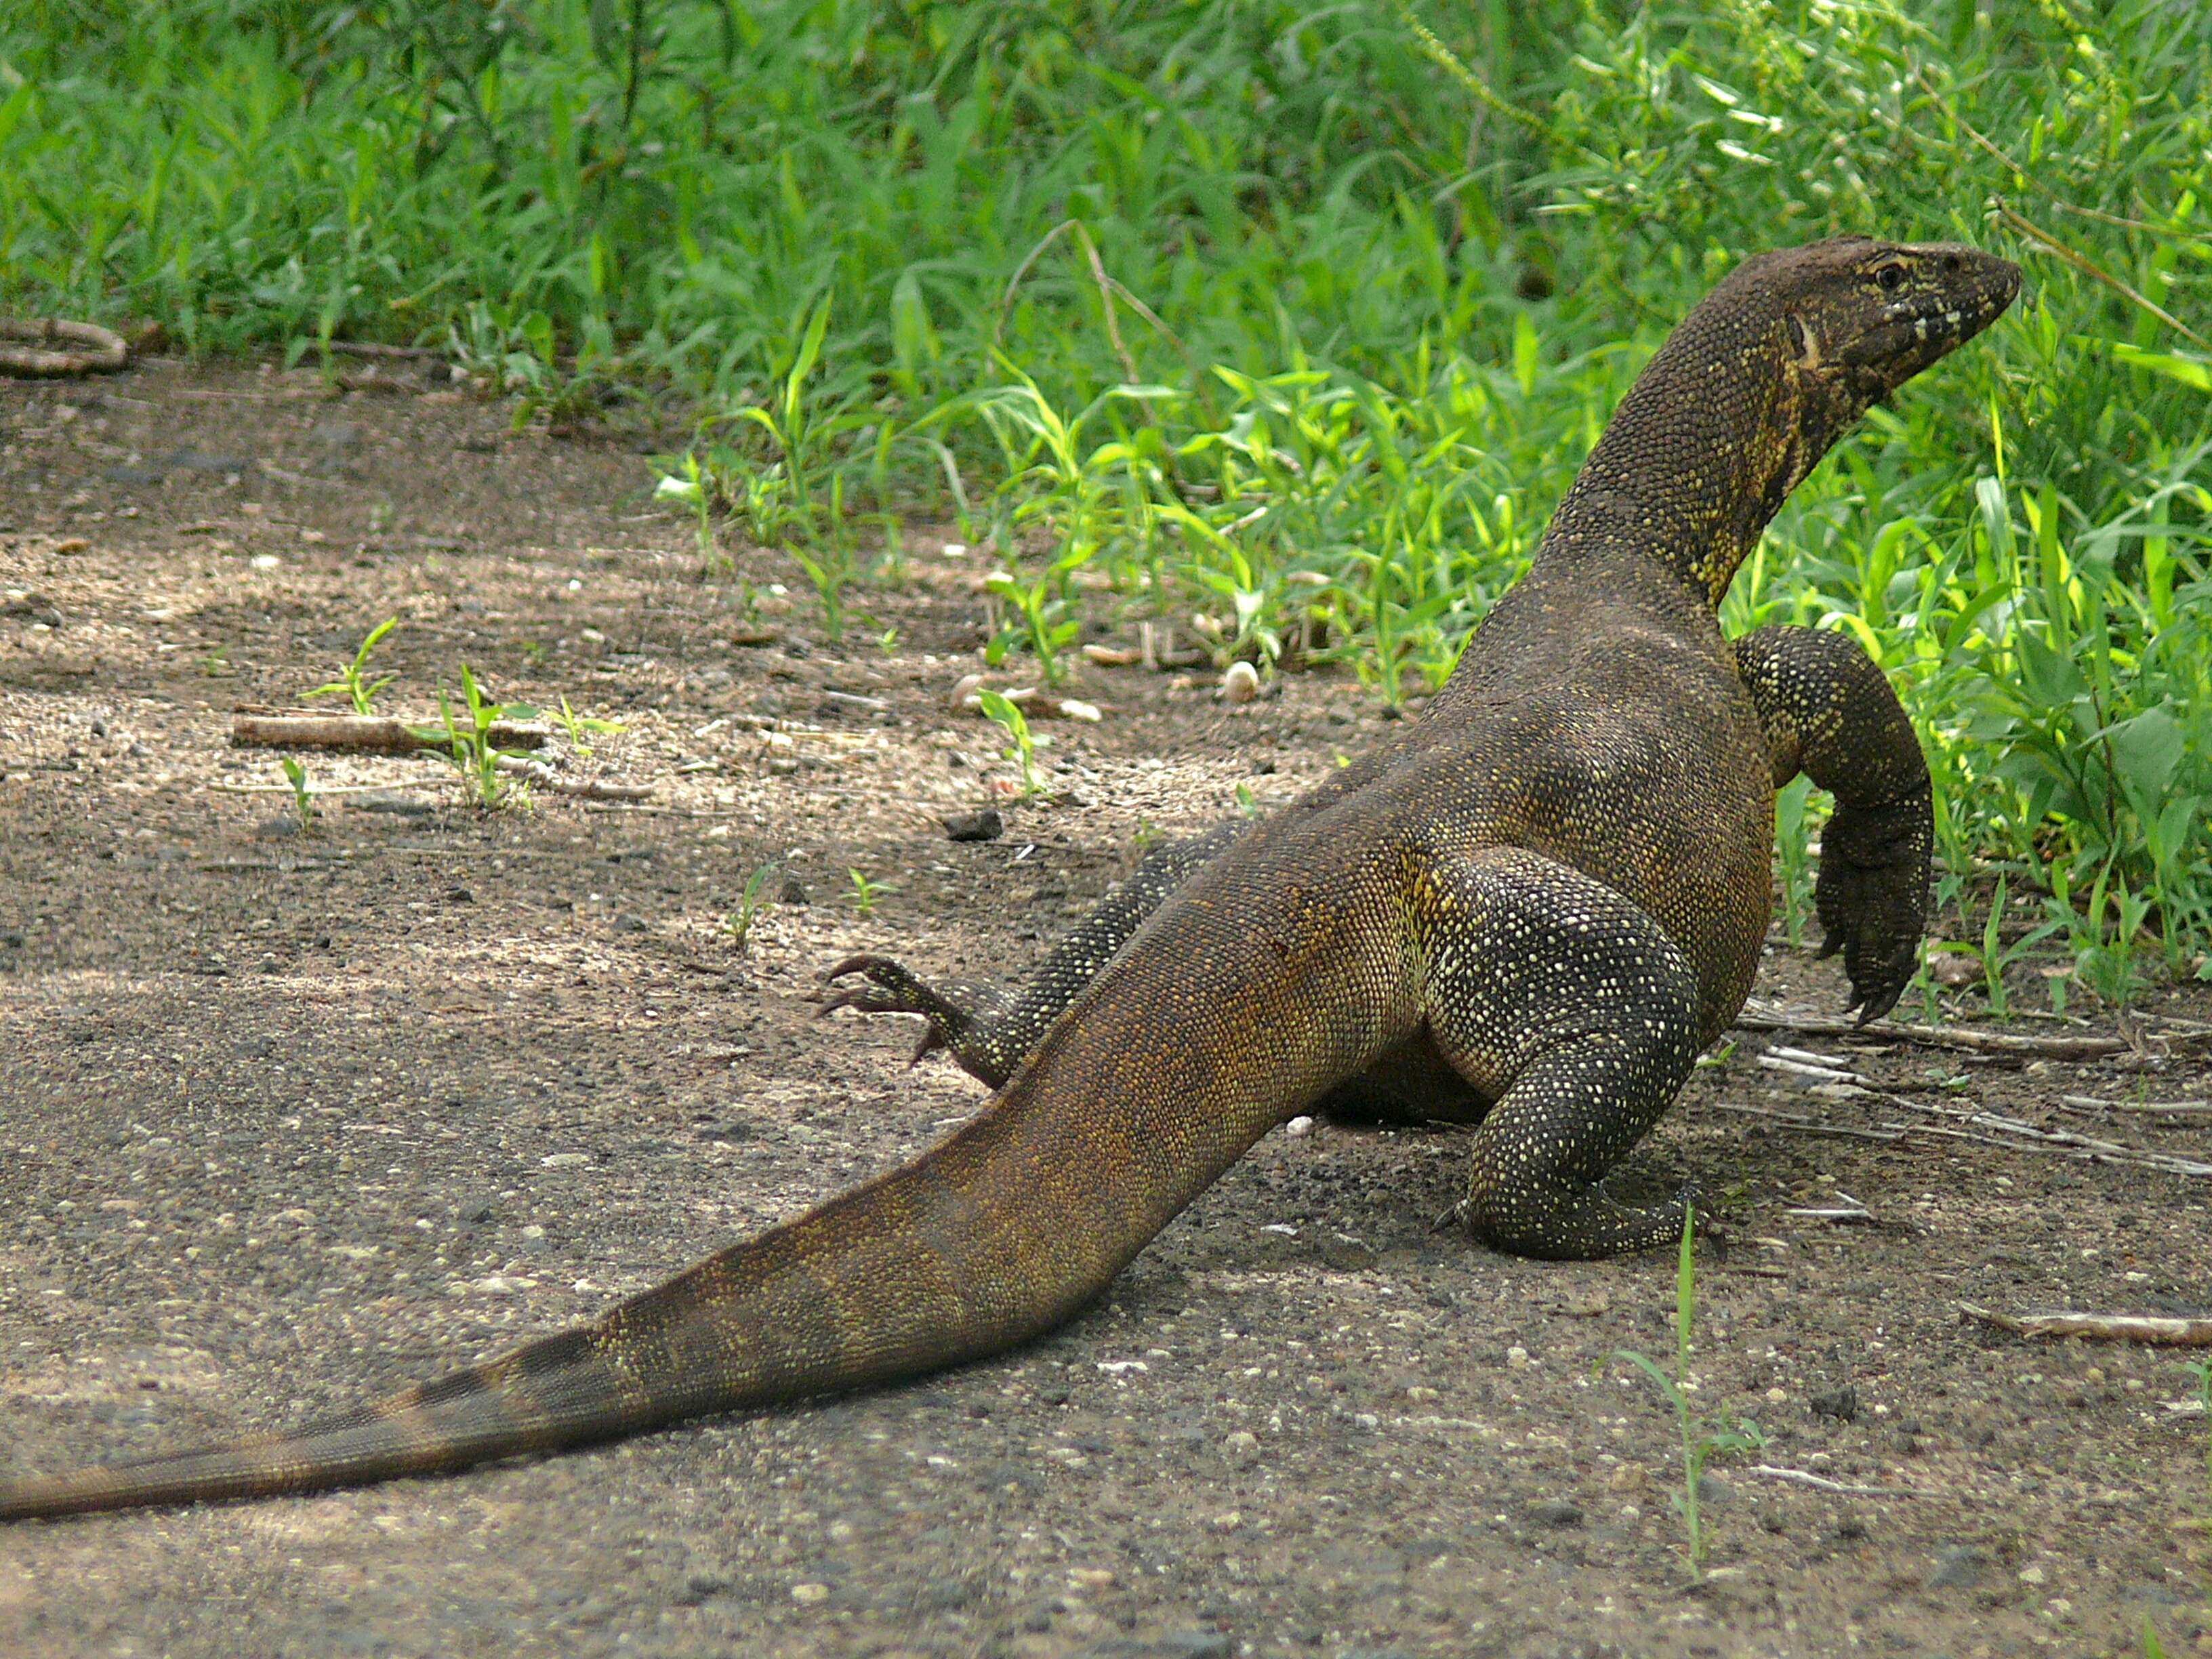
(1862, 317)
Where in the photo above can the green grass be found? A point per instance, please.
(1267, 313)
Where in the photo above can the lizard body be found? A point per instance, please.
(1528, 910)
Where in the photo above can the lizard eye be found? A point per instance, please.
(1892, 277)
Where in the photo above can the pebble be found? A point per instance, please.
(1195, 1645)
(1841, 1404)
(1556, 1512)
(1516, 1359)
(565, 1160)
(1300, 1125)
(986, 825)
(398, 806)
(809, 1594)
(1240, 683)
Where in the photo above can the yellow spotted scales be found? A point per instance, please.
(1527, 911)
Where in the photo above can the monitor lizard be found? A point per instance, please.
(1528, 910)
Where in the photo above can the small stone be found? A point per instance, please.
(1300, 1125)
(1421, 1394)
(1240, 683)
(397, 806)
(476, 1208)
(480, 443)
(1957, 1567)
(1841, 1404)
(809, 1594)
(460, 896)
(1629, 1477)
(986, 825)
(1227, 1521)
(1195, 1645)
(2031, 1574)
(565, 1160)
(626, 922)
(1556, 1512)
(1367, 1420)
(1242, 1446)
(700, 1587)
(794, 890)
(1516, 1359)
(1953, 969)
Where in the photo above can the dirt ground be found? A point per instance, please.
(289, 1120)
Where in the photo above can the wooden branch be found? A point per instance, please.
(373, 349)
(543, 776)
(1943, 1036)
(1807, 1125)
(365, 734)
(98, 349)
(2101, 1327)
(1821, 1483)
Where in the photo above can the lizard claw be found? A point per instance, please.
(1872, 896)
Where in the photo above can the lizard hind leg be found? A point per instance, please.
(1567, 1004)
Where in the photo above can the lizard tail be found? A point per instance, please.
(992, 1236)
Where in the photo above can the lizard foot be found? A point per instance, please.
(1872, 895)
(891, 988)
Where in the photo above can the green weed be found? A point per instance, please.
(1023, 745)
(1701, 1440)
(303, 800)
(867, 894)
(577, 726)
(739, 924)
(353, 683)
(468, 744)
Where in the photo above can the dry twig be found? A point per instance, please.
(95, 350)
(2100, 1328)
(1821, 1483)
(1947, 1036)
(367, 734)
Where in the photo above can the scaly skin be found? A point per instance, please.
(1529, 910)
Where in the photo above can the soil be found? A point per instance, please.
(292, 1119)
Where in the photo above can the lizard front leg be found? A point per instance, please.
(1830, 712)
(989, 1030)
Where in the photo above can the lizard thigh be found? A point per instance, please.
(1570, 1007)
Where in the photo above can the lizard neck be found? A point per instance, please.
(1727, 417)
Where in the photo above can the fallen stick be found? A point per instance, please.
(1813, 1126)
(2148, 1107)
(1821, 1483)
(368, 734)
(99, 350)
(2100, 1328)
(543, 776)
(1947, 1036)
(320, 789)
(373, 349)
